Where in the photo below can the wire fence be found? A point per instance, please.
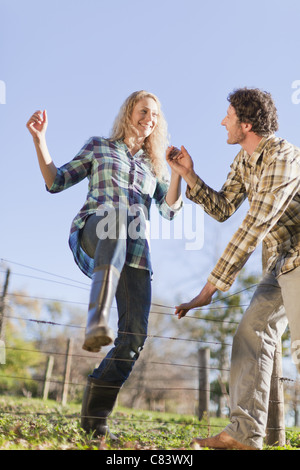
(155, 309)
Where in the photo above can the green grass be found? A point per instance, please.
(32, 424)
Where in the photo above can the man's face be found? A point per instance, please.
(236, 135)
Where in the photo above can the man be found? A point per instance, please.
(267, 172)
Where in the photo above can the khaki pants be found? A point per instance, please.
(275, 303)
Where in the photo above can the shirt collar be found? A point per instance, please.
(259, 150)
(138, 154)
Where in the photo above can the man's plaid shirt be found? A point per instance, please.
(115, 177)
(270, 178)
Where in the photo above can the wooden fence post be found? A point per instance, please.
(48, 377)
(2, 305)
(204, 385)
(275, 434)
(67, 371)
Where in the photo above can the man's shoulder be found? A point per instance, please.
(279, 148)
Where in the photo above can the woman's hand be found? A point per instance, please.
(173, 195)
(172, 153)
(37, 125)
(181, 163)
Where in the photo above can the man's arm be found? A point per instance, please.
(278, 184)
(183, 165)
(218, 204)
(202, 299)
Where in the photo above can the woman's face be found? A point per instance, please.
(144, 116)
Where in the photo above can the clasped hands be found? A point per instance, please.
(181, 163)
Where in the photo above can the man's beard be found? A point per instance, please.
(237, 137)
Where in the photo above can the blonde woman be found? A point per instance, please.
(109, 236)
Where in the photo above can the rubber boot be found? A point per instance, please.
(103, 289)
(98, 402)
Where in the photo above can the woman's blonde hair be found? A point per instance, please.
(156, 143)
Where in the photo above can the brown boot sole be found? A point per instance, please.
(100, 337)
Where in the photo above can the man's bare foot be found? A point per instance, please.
(220, 441)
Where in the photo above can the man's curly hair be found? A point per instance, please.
(255, 107)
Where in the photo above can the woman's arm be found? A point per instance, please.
(174, 191)
(37, 126)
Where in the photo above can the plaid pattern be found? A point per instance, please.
(270, 178)
(115, 177)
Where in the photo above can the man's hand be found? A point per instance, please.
(202, 299)
(181, 163)
(172, 153)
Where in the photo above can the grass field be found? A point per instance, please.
(32, 424)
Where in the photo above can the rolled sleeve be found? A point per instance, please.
(166, 211)
(59, 182)
(75, 171)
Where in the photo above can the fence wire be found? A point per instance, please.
(63, 280)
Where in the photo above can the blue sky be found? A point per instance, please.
(80, 60)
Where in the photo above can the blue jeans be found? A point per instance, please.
(133, 297)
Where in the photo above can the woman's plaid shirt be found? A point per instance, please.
(115, 177)
(270, 178)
